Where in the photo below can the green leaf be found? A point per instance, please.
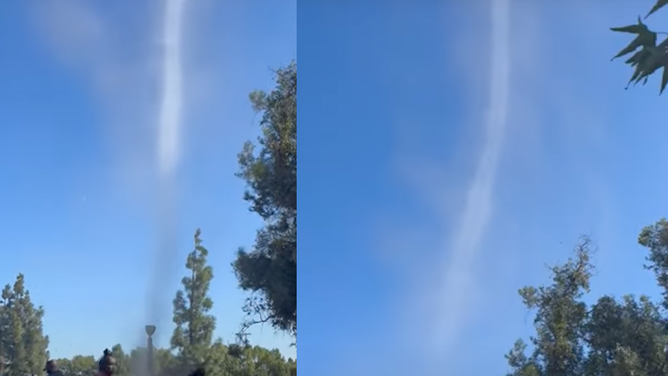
(657, 58)
(664, 79)
(659, 4)
(645, 73)
(647, 39)
(635, 75)
(269, 168)
(644, 38)
(638, 28)
(638, 57)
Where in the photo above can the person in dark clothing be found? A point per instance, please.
(51, 368)
(106, 366)
(198, 372)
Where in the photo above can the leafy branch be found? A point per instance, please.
(651, 57)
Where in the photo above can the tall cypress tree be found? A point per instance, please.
(194, 325)
(23, 345)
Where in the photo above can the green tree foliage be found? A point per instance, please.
(257, 361)
(164, 362)
(79, 365)
(648, 57)
(269, 272)
(250, 361)
(616, 337)
(123, 360)
(23, 346)
(269, 169)
(193, 334)
(560, 314)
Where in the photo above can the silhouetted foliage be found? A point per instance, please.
(23, 347)
(22, 342)
(193, 334)
(648, 56)
(627, 336)
(269, 271)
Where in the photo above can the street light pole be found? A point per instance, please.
(150, 330)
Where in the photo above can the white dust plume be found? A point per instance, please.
(169, 123)
(459, 284)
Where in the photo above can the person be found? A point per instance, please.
(106, 366)
(198, 372)
(51, 368)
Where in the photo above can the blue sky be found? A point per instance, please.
(450, 153)
(79, 103)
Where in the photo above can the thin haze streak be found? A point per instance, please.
(168, 153)
(170, 106)
(459, 281)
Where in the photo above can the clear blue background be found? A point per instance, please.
(581, 156)
(77, 185)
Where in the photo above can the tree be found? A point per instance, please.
(194, 326)
(627, 337)
(23, 346)
(123, 361)
(651, 57)
(257, 361)
(79, 365)
(655, 239)
(249, 361)
(269, 271)
(560, 316)
(164, 361)
(217, 361)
